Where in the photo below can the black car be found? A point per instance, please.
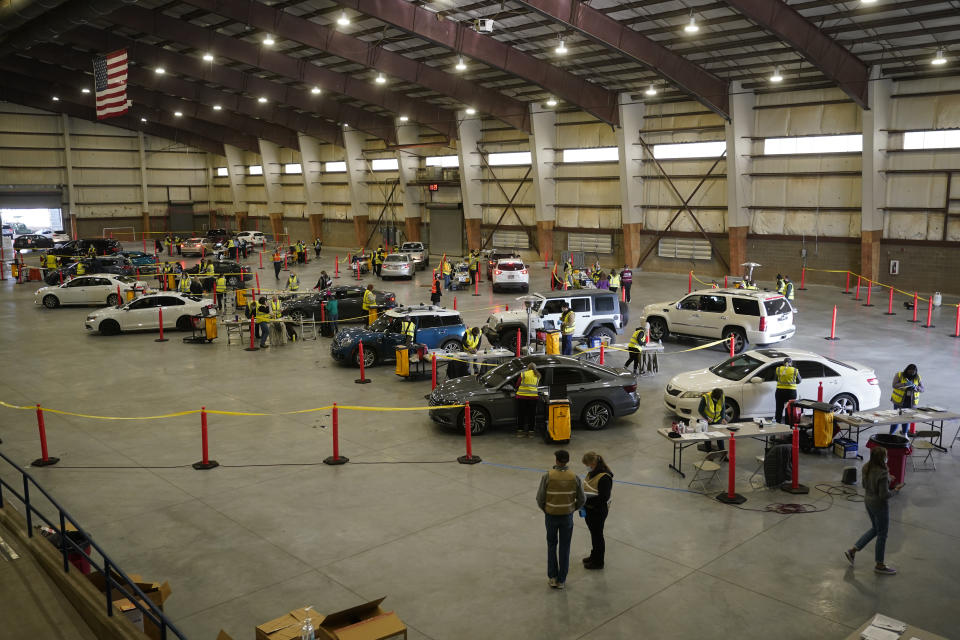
(234, 271)
(120, 265)
(77, 248)
(32, 241)
(350, 303)
(218, 235)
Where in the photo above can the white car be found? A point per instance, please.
(60, 236)
(143, 314)
(749, 383)
(510, 272)
(198, 247)
(98, 288)
(398, 265)
(253, 237)
(417, 252)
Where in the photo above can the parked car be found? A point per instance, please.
(597, 314)
(117, 265)
(256, 238)
(397, 265)
(8, 230)
(140, 259)
(32, 241)
(495, 256)
(46, 232)
(103, 247)
(99, 289)
(143, 314)
(234, 271)
(60, 236)
(751, 317)
(199, 247)
(218, 235)
(417, 252)
(597, 393)
(749, 382)
(350, 303)
(437, 328)
(511, 272)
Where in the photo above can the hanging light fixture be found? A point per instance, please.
(268, 40)
(552, 102)
(178, 113)
(460, 65)
(143, 119)
(315, 90)
(262, 99)
(471, 111)
(652, 91)
(404, 118)
(343, 20)
(561, 47)
(217, 107)
(84, 90)
(692, 26)
(776, 77)
(159, 71)
(381, 79)
(208, 57)
(56, 99)
(939, 59)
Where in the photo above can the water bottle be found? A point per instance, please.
(306, 631)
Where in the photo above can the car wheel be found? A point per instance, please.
(731, 411)
(233, 281)
(601, 332)
(369, 356)
(494, 289)
(845, 403)
(451, 345)
(479, 420)
(109, 328)
(597, 415)
(183, 323)
(508, 339)
(51, 301)
(658, 329)
(739, 340)
(112, 300)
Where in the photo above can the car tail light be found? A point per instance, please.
(497, 272)
(630, 388)
(763, 323)
(523, 271)
(873, 381)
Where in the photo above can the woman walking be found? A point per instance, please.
(877, 493)
(597, 486)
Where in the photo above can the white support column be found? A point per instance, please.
(873, 181)
(68, 163)
(740, 131)
(543, 145)
(471, 189)
(312, 188)
(357, 176)
(631, 174)
(235, 173)
(142, 154)
(409, 133)
(270, 157)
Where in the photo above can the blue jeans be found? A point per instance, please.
(880, 522)
(567, 345)
(559, 529)
(446, 281)
(332, 319)
(903, 427)
(264, 332)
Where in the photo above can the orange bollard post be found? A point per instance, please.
(803, 279)
(205, 461)
(260, 253)
(336, 458)
(336, 266)
(916, 299)
(857, 296)
(833, 325)
(724, 282)
(160, 314)
(690, 282)
(956, 332)
(363, 379)
(44, 460)
(507, 306)
(869, 289)
(820, 392)
(468, 428)
(433, 372)
(731, 496)
(733, 346)
(476, 285)
(253, 331)
(518, 343)
(846, 288)
(454, 303)
(890, 304)
(794, 485)
(929, 324)
(119, 298)
(601, 352)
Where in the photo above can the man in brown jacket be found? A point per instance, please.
(559, 495)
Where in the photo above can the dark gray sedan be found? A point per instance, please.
(597, 393)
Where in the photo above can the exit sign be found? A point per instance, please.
(433, 186)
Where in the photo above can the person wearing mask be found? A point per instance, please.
(169, 242)
(409, 330)
(370, 304)
(711, 409)
(50, 262)
(474, 266)
(276, 307)
(262, 319)
(780, 284)
(184, 285)
(877, 494)
(559, 495)
(81, 269)
(567, 323)
(626, 281)
(243, 247)
(221, 289)
(277, 263)
(634, 349)
(435, 290)
(567, 274)
(597, 486)
(528, 400)
(471, 344)
(301, 252)
(324, 283)
(603, 281)
(447, 269)
(907, 387)
(378, 260)
(317, 246)
(179, 242)
(788, 289)
(787, 380)
(333, 312)
(293, 282)
(614, 281)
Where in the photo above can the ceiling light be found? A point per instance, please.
(692, 26)
(217, 107)
(159, 71)
(262, 99)
(776, 77)
(208, 57)
(404, 118)
(652, 91)
(460, 66)
(268, 40)
(56, 99)
(561, 48)
(381, 79)
(343, 20)
(552, 102)
(345, 125)
(84, 90)
(471, 111)
(939, 58)
(178, 113)
(315, 90)
(143, 119)
(867, 1)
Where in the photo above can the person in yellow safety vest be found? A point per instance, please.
(184, 285)
(567, 323)
(409, 330)
(474, 266)
(559, 495)
(177, 241)
(262, 320)
(369, 303)
(907, 387)
(447, 270)
(568, 273)
(81, 268)
(528, 400)
(635, 348)
(711, 409)
(750, 284)
(378, 260)
(780, 284)
(293, 283)
(276, 307)
(787, 289)
(221, 289)
(50, 261)
(92, 251)
(614, 280)
(787, 380)
(471, 344)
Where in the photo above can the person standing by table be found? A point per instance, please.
(877, 494)
(787, 380)
(634, 349)
(907, 387)
(369, 304)
(626, 281)
(221, 289)
(597, 487)
(568, 321)
(528, 399)
(559, 495)
(317, 247)
(324, 282)
(711, 409)
(333, 313)
(471, 344)
(262, 320)
(435, 290)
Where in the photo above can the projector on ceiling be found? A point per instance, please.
(485, 25)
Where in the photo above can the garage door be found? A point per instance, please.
(30, 199)
(446, 231)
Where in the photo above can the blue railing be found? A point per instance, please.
(114, 577)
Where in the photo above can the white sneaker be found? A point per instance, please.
(553, 583)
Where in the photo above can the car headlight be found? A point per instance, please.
(91, 318)
(690, 394)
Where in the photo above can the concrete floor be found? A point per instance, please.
(457, 550)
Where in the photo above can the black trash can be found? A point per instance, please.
(457, 369)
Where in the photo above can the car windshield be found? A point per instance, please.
(409, 246)
(126, 279)
(396, 258)
(510, 266)
(776, 306)
(736, 368)
(501, 374)
(382, 323)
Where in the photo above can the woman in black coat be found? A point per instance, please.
(598, 485)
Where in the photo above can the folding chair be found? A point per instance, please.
(709, 467)
(758, 470)
(923, 441)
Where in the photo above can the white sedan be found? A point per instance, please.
(749, 383)
(98, 288)
(510, 272)
(253, 237)
(143, 314)
(398, 265)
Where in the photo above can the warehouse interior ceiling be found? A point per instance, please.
(323, 68)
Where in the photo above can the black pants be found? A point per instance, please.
(782, 396)
(634, 357)
(626, 290)
(527, 414)
(377, 267)
(595, 519)
(276, 269)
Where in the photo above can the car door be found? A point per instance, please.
(576, 385)
(811, 375)
(75, 291)
(139, 314)
(685, 317)
(173, 308)
(712, 316)
(430, 330)
(351, 303)
(583, 314)
(758, 399)
(551, 313)
(99, 290)
(388, 340)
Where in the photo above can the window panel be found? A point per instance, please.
(335, 167)
(293, 168)
(600, 154)
(222, 172)
(689, 150)
(385, 164)
(443, 161)
(812, 144)
(255, 170)
(580, 305)
(516, 157)
(931, 139)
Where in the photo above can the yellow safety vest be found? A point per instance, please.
(781, 286)
(51, 261)
(614, 281)
(184, 285)
(275, 308)
(408, 327)
(379, 257)
(293, 284)
(898, 394)
(221, 284)
(81, 269)
(787, 377)
(369, 300)
(529, 381)
(561, 492)
(714, 410)
(567, 321)
(447, 268)
(471, 341)
(263, 314)
(788, 290)
(208, 270)
(636, 340)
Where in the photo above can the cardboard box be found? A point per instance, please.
(287, 627)
(363, 622)
(156, 592)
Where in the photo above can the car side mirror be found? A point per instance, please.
(678, 306)
(756, 380)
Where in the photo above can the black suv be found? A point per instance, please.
(235, 271)
(119, 265)
(103, 247)
(218, 235)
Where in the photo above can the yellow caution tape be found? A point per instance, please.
(84, 415)
(15, 406)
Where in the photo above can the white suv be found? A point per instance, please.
(751, 317)
(511, 272)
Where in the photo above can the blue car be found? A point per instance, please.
(140, 259)
(437, 328)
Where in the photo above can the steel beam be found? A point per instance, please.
(206, 72)
(395, 65)
(833, 60)
(428, 25)
(690, 78)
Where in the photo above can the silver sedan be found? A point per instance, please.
(397, 265)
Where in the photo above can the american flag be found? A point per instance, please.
(110, 82)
